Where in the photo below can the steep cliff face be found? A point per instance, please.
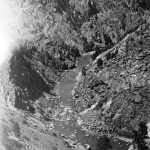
(25, 84)
(113, 94)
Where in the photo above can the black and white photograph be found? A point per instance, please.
(74, 74)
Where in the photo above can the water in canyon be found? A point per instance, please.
(66, 117)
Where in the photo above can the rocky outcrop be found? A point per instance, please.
(118, 82)
(26, 83)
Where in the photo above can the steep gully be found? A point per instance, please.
(67, 120)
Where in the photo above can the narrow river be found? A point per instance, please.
(67, 118)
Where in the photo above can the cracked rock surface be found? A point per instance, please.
(120, 87)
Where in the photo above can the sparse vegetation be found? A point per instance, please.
(24, 122)
(4, 120)
(16, 129)
(54, 134)
(54, 148)
(10, 144)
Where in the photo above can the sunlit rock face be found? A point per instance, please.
(123, 79)
(148, 125)
(4, 73)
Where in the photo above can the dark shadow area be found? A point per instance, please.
(140, 136)
(103, 143)
(92, 8)
(145, 4)
(30, 85)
